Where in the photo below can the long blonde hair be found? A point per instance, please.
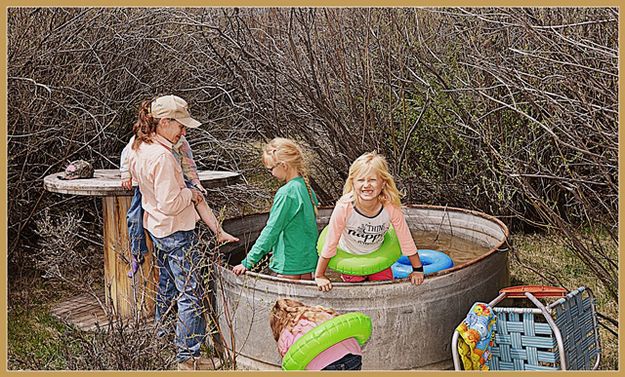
(288, 151)
(373, 163)
(286, 313)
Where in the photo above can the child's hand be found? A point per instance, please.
(323, 283)
(196, 197)
(127, 184)
(416, 278)
(239, 269)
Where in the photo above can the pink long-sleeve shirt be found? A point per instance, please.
(165, 198)
(326, 357)
(357, 233)
(181, 150)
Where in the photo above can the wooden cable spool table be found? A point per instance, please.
(128, 297)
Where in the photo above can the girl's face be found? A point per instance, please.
(277, 169)
(368, 187)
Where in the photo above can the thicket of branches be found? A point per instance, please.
(512, 111)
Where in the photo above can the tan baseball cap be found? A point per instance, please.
(173, 107)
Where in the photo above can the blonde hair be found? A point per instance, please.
(286, 313)
(288, 151)
(373, 163)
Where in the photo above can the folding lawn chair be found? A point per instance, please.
(561, 335)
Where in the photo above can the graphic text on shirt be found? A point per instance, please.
(367, 234)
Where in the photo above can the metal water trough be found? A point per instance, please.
(411, 325)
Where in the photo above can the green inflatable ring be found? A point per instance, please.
(350, 325)
(362, 265)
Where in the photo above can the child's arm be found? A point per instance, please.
(336, 226)
(207, 215)
(281, 212)
(189, 169)
(123, 165)
(187, 163)
(406, 243)
(323, 283)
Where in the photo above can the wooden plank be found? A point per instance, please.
(79, 311)
(107, 182)
(85, 312)
(109, 220)
(75, 311)
(89, 315)
(68, 305)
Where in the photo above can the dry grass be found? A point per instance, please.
(543, 260)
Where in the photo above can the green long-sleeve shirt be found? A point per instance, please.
(291, 232)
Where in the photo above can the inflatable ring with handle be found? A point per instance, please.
(363, 265)
(432, 260)
(350, 325)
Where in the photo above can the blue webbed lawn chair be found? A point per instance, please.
(561, 335)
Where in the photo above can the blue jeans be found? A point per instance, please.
(347, 362)
(180, 279)
(134, 218)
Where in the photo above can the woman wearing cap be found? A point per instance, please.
(182, 151)
(170, 219)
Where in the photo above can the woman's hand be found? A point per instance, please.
(416, 278)
(239, 269)
(127, 184)
(323, 283)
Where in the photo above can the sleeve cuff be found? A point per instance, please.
(409, 253)
(245, 264)
(187, 194)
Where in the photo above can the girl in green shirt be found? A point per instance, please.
(291, 230)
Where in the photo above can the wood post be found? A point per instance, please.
(131, 297)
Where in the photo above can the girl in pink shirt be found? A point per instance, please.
(370, 204)
(291, 319)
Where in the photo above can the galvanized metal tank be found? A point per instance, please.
(412, 326)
